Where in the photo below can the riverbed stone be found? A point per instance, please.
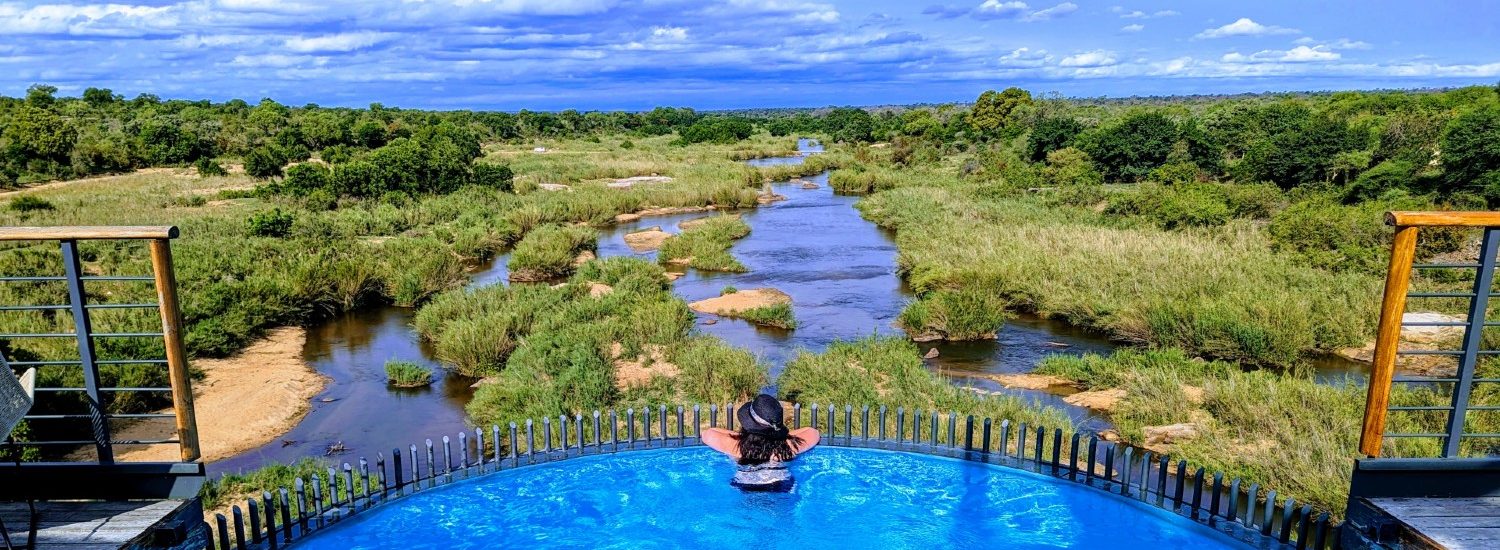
(646, 240)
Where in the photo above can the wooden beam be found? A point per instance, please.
(1446, 219)
(1388, 339)
(86, 232)
(171, 324)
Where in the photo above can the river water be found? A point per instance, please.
(839, 269)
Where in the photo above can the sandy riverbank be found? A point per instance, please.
(242, 402)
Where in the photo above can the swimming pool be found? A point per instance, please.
(844, 498)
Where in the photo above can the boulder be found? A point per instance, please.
(553, 187)
(627, 218)
(931, 354)
(646, 240)
(1098, 400)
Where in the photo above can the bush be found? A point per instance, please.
(706, 246)
(264, 162)
(321, 200)
(493, 176)
(271, 223)
(965, 314)
(336, 154)
(305, 178)
(1175, 206)
(406, 374)
(1382, 179)
(728, 290)
(29, 203)
(717, 130)
(627, 144)
(1070, 167)
(208, 167)
(778, 316)
(548, 252)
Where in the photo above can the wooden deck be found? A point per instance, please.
(1452, 523)
(92, 525)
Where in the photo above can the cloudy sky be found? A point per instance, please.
(609, 54)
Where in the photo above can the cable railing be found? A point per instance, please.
(280, 516)
(1436, 409)
(100, 363)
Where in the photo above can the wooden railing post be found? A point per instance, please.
(1388, 339)
(171, 320)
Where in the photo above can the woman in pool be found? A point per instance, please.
(763, 446)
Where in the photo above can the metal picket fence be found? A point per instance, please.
(282, 516)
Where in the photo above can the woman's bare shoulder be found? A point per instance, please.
(809, 436)
(722, 440)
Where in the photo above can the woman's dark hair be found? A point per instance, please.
(763, 436)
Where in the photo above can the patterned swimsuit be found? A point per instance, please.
(767, 476)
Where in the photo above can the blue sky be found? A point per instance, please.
(608, 54)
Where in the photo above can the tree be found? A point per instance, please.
(40, 95)
(1132, 148)
(1300, 153)
(99, 97)
(493, 176)
(1471, 148)
(305, 178)
(849, 125)
(1070, 166)
(1051, 134)
(264, 162)
(994, 111)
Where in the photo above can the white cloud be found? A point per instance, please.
(1096, 58)
(1340, 44)
(1299, 54)
(343, 42)
(97, 19)
(1138, 14)
(1133, 28)
(998, 9)
(1024, 57)
(669, 33)
(1244, 26)
(276, 60)
(1054, 11)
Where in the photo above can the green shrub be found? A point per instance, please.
(271, 223)
(963, 314)
(264, 162)
(1382, 179)
(29, 203)
(320, 200)
(305, 178)
(1174, 206)
(548, 252)
(336, 154)
(706, 246)
(493, 176)
(1070, 167)
(627, 144)
(406, 374)
(728, 290)
(778, 315)
(208, 167)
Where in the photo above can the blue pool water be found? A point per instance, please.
(844, 498)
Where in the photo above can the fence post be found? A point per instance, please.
(1387, 339)
(83, 332)
(171, 324)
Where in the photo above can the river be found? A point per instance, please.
(839, 269)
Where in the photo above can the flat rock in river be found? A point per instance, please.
(646, 240)
(749, 298)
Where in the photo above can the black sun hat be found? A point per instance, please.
(762, 415)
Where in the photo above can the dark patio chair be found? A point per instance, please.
(16, 397)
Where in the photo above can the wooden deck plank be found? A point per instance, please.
(85, 525)
(1454, 523)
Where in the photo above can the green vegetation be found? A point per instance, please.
(964, 314)
(271, 223)
(706, 245)
(561, 350)
(1291, 434)
(549, 252)
(406, 374)
(778, 316)
(28, 203)
(889, 371)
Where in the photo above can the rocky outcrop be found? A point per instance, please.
(749, 298)
(646, 240)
